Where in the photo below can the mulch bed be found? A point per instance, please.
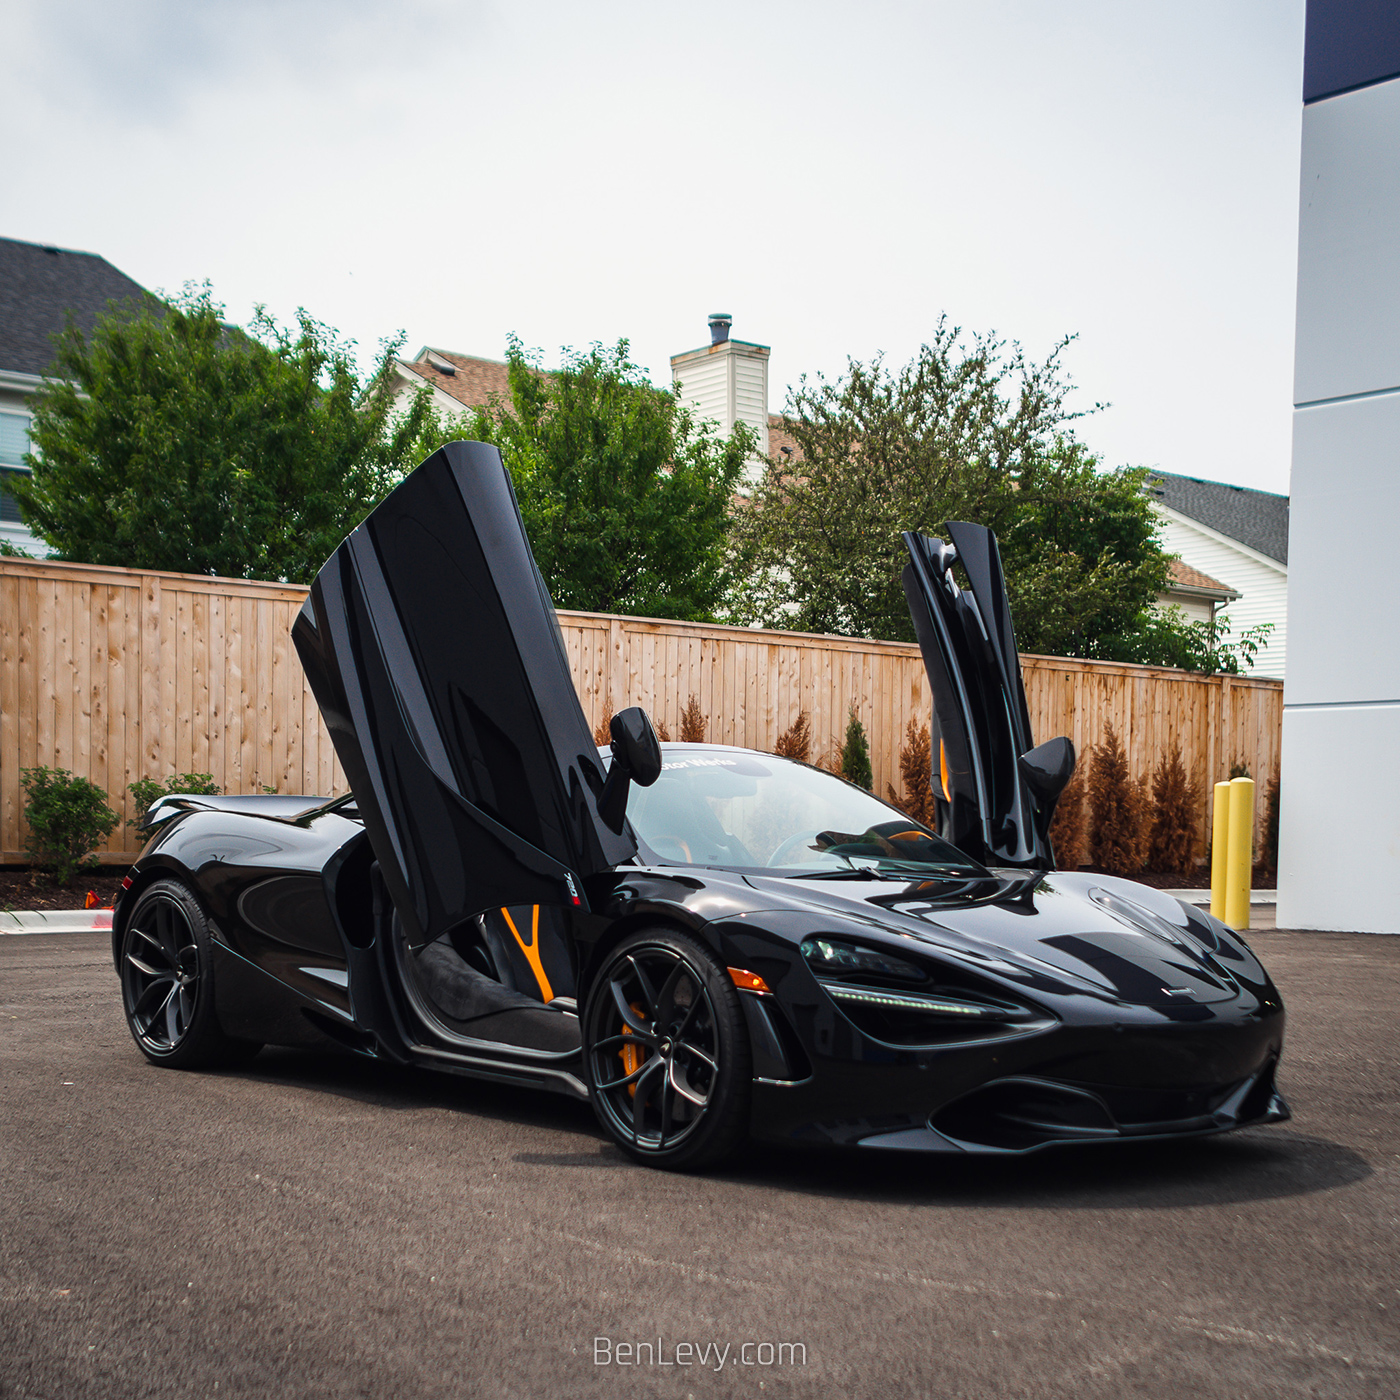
(24, 889)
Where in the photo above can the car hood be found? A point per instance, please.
(1058, 932)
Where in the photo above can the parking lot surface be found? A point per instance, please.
(317, 1226)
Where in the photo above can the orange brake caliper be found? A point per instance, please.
(633, 1053)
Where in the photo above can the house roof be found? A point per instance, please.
(40, 287)
(466, 378)
(1183, 576)
(779, 438)
(1257, 519)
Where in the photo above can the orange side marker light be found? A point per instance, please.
(748, 981)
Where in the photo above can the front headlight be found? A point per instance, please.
(834, 957)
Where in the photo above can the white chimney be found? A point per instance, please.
(726, 382)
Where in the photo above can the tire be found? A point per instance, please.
(666, 1052)
(167, 976)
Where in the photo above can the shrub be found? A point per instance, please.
(1115, 810)
(146, 790)
(916, 773)
(662, 733)
(796, 740)
(692, 723)
(68, 819)
(1176, 804)
(855, 753)
(1069, 827)
(602, 733)
(1268, 857)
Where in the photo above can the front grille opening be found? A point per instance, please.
(1015, 1115)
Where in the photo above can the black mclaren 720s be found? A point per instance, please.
(710, 944)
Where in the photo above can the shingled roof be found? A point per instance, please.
(1257, 519)
(40, 287)
(466, 378)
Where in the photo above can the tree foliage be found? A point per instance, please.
(169, 440)
(624, 496)
(968, 430)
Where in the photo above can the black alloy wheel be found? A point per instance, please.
(667, 1052)
(167, 983)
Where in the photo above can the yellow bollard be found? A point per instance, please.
(1219, 846)
(1239, 861)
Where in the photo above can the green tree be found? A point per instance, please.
(624, 496)
(969, 430)
(169, 440)
(855, 752)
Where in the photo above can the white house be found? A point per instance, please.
(1238, 538)
(40, 289)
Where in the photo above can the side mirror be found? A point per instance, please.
(636, 758)
(1047, 768)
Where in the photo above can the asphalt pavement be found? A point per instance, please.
(315, 1226)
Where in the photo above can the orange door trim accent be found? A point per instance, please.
(532, 950)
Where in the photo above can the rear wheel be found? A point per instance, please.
(167, 980)
(667, 1053)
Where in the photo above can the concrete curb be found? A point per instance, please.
(54, 920)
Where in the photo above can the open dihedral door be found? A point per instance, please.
(981, 725)
(433, 650)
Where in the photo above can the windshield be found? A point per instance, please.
(714, 806)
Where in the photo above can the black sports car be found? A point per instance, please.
(708, 943)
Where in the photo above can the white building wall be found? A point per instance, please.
(1339, 829)
(1196, 609)
(1262, 584)
(727, 384)
(704, 388)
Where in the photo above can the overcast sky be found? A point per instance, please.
(835, 176)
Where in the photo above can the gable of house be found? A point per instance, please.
(43, 290)
(1239, 537)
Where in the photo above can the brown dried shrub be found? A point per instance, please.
(692, 723)
(1175, 812)
(796, 740)
(1117, 805)
(1069, 827)
(603, 733)
(916, 774)
(1268, 855)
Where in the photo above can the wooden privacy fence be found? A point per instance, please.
(117, 675)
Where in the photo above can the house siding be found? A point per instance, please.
(1263, 587)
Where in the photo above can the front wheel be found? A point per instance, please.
(168, 983)
(667, 1053)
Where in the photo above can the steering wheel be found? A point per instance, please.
(791, 844)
